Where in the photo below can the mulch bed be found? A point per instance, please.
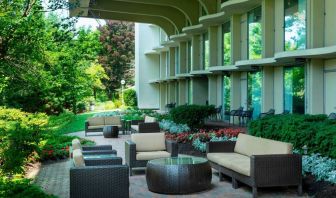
(318, 189)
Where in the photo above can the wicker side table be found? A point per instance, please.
(110, 131)
(178, 175)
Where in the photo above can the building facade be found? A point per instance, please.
(277, 54)
(258, 54)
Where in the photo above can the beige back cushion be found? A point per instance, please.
(250, 145)
(76, 144)
(150, 119)
(78, 158)
(149, 141)
(95, 121)
(112, 120)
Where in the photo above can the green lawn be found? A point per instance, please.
(68, 122)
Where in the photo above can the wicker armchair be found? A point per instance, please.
(103, 178)
(332, 116)
(140, 150)
(92, 150)
(148, 125)
(256, 170)
(268, 113)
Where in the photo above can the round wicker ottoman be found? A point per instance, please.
(110, 131)
(178, 175)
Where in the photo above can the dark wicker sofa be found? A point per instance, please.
(257, 162)
(103, 178)
(148, 125)
(147, 146)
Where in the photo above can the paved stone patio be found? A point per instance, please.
(54, 179)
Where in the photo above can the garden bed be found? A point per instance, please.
(318, 189)
(188, 149)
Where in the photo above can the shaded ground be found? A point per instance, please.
(54, 178)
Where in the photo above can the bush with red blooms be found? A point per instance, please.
(229, 132)
(179, 138)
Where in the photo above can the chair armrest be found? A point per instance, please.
(100, 152)
(220, 147)
(136, 122)
(103, 161)
(277, 169)
(99, 180)
(130, 153)
(172, 147)
(95, 148)
(149, 127)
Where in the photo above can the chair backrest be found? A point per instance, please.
(149, 119)
(332, 116)
(113, 120)
(271, 112)
(76, 144)
(96, 121)
(250, 145)
(149, 141)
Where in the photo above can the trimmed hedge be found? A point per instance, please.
(192, 115)
(130, 98)
(315, 131)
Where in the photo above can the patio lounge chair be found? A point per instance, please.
(236, 113)
(147, 146)
(257, 162)
(92, 150)
(268, 113)
(148, 125)
(332, 116)
(97, 124)
(103, 178)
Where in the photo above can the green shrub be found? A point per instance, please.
(20, 133)
(21, 188)
(192, 115)
(130, 98)
(315, 131)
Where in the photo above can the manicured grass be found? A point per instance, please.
(68, 122)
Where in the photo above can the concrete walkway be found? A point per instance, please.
(54, 179)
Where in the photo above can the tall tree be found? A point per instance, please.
(117, 56)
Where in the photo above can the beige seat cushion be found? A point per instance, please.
(234, 161)
(96, 121)
(149, 119)
(149, 141)
(135, 127)
(96, 127)
(113, 120)
(78, 158)
(76, 144)
(250, 145)
(152, 155)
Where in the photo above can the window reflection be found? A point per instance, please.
(226, 31)
(226, 95)
(254, 34)
(294, 89)
(189, 58)
(177, 60)
(206, 51)
(254, 92)
(295, 24)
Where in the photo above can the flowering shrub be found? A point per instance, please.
(179, 138)
(323, 168)
(172, 127)
(229, 132)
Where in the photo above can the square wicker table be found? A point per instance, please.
(178, 175)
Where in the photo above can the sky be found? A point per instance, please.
(89, 23)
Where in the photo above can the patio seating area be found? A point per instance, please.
(54, 178)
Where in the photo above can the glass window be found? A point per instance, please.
(206, 51)
(294, 89)
(189, 91)
(254, 92)
(177, 60)
(295, 24)
(254, 34)
(189, 56)
(167, 64)
(226, 86)
(226, 48)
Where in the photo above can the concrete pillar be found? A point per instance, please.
(171, 61)
(163, 96)
(196, 52)
(267, 89)
(163, 56)
(278, 90)
(212, 89)
(213, 45)
(235, 40)
(315, 23)
(183, 57)
(315, 89)
(243, 37)
(279, 26)
(199, 90)
(171, 92)
(268, 28)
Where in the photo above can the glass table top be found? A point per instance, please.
(178, 161)
(99, 156)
